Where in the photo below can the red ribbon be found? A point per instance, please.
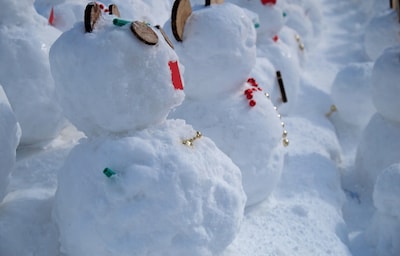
(175, 75)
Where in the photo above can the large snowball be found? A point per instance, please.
(378, 149)
(223, 40)
(351, 93)
(387, 191)
(9, 138)
(270, 18)
(25, 39)
(110, 81)
(385, 83)
(381, 32)
(165, 199)
(250, 136)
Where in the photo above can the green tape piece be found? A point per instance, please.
(120, 22)
(108, 172)
(256, 25)
(284, 14)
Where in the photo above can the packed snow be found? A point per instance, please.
(176, 139)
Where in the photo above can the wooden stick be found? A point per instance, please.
(281, 86)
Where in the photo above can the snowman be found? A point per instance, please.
(139, 184)
(379, 147)
(25, 39)
(9, 138)
(216, 44)
(279, 49)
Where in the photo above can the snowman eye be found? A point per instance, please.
(144, 33)
(165, 36)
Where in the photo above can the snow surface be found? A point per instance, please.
(338, 189)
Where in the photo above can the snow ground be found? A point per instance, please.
(318, 207)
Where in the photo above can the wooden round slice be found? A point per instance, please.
(181, 11)
(210, 2)
(165, 36)
(113, 10)
(144, 33)
(92, 15)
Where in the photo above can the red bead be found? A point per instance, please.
(249, 96)
(106, 10)
(272, 2)
(101, 6)
(252, 82)
(248, 91)
(275, 38)
(259, 89)
(252, 103)
(254, 89)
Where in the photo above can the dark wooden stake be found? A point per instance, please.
(281, 86)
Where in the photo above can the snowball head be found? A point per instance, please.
(387, 191)
(218, 50)
(270, 17)
(9, 138)
(378, 149)
(25, 73)
(109, 81)
(382, 32)
(166, 198)
(385, 84)
(351, 93)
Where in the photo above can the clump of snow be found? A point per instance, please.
(122, 97)
(165, 199)
(381, 33)
(216, 83)
(351, 93)
(25, 40)
(9, 138)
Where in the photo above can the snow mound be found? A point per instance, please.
(165, 198)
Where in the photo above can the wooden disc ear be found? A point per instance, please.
(165, 36)
(113, 10)
(144, 33)
(210, 2)
(181, 11)
(92, 15)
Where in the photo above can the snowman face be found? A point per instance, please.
(113, 80)
(217, 49)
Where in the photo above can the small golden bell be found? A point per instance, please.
(331, 111)
(284, 134)
(285, 142)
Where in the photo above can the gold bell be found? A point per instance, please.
(331, 111)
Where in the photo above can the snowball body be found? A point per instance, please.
(165, 199)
